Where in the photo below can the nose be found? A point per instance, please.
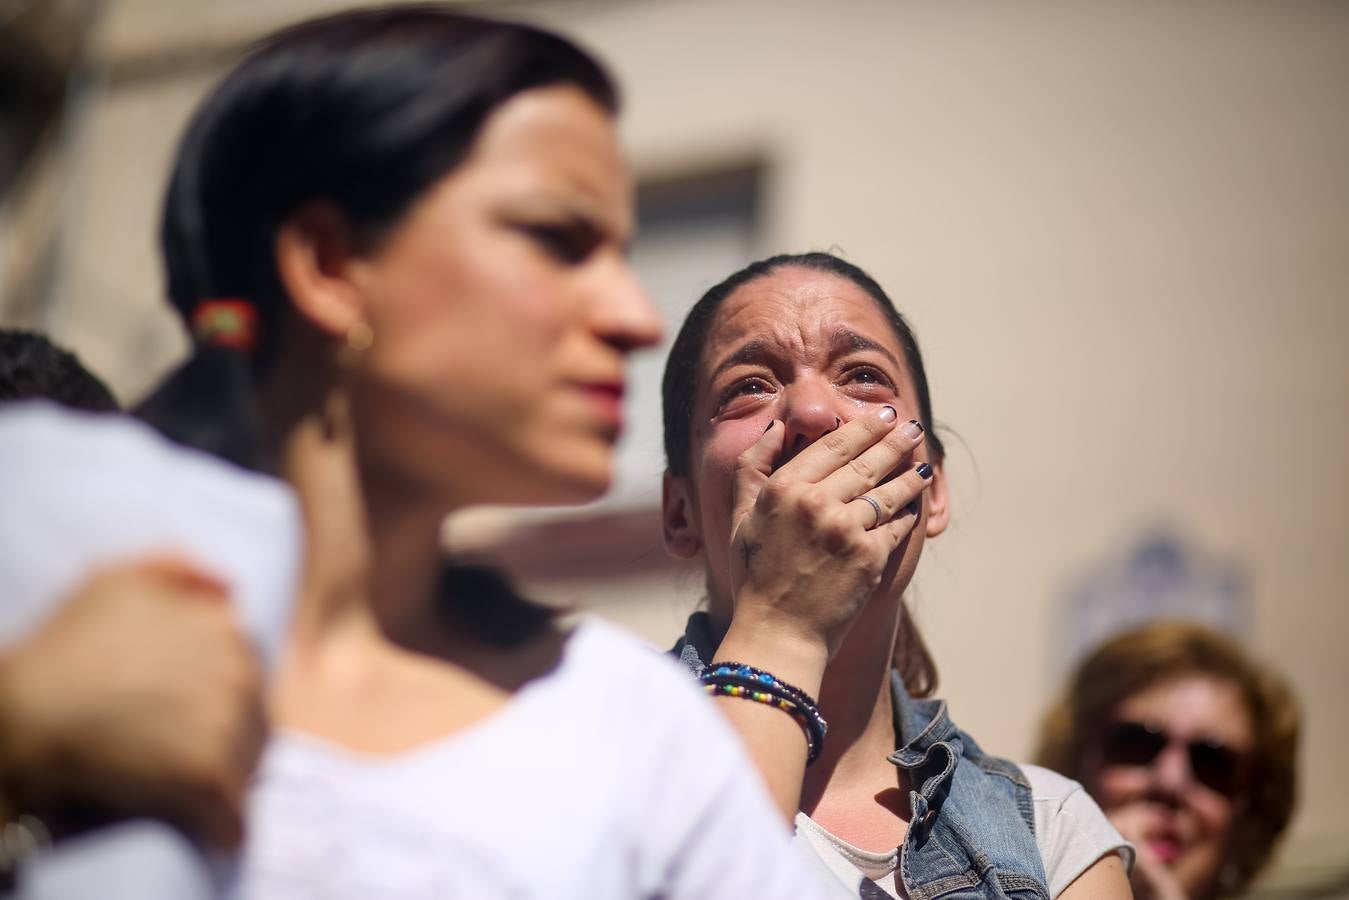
(811, 410)
(623, 313)
(1171, 769)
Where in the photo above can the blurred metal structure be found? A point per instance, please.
(42, 46)
(1163, 575)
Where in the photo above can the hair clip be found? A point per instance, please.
(229, 323)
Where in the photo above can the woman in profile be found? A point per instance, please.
(1190, 747)
(399, 237)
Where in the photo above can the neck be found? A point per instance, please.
(372, 551)
(855, 699)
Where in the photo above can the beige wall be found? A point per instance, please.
(1121, 229)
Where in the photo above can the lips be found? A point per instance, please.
(1165, 843)
(1166, 849)
(606, 397)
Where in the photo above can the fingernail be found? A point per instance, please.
(838, 423)
(888, 414)
(771, 423)
(911, 429)
(914, 508)
(924, 471)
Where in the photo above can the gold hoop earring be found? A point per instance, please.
(359, 339)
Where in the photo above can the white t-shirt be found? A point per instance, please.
(79, 491)
(83, 490)
(609, 778)
(1071, 833)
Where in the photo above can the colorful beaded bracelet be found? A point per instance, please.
(758, 683)
(787, 706)
(732, 679)
(748, 671)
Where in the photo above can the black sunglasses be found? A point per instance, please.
(1215, 765)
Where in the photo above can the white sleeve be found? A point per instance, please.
(85, 490)
(137, 860)
(1070, 830)
(719, 833)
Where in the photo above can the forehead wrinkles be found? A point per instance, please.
(741, 320)
(806, 319)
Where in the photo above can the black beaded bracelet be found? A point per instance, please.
(733, 679)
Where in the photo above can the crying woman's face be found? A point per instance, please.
(808, 348)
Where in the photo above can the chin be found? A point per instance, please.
(574, 484)
(560, 470)
(576, 491)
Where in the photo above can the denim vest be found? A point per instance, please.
(971, 826)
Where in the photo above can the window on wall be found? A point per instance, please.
(693, 230)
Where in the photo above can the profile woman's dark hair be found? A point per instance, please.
(362, 111)
(680, 383)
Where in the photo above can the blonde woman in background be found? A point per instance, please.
(1190, 747)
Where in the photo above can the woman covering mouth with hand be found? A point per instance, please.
(802, 468)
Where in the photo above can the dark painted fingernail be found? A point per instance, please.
(771, 423)
(914, 508)
(888, 414)
(924, 471)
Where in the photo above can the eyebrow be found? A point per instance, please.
(748, 352)
(572, 211)
(850, 341)
(841, 340)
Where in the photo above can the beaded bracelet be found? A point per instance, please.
(791, 700)
(748, 671)
(733, 679)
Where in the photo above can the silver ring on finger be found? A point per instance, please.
(876, 506)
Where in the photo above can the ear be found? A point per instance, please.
(314, 255)
(679, 517)
(938, 502)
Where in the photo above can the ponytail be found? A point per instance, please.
(911, 658)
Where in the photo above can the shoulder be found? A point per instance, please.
(125, 491)
(1048, 786)
(598, 650)
(1062, 806)
(688, 789)
(662, 705)
(1070, 829)
(124, 453)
